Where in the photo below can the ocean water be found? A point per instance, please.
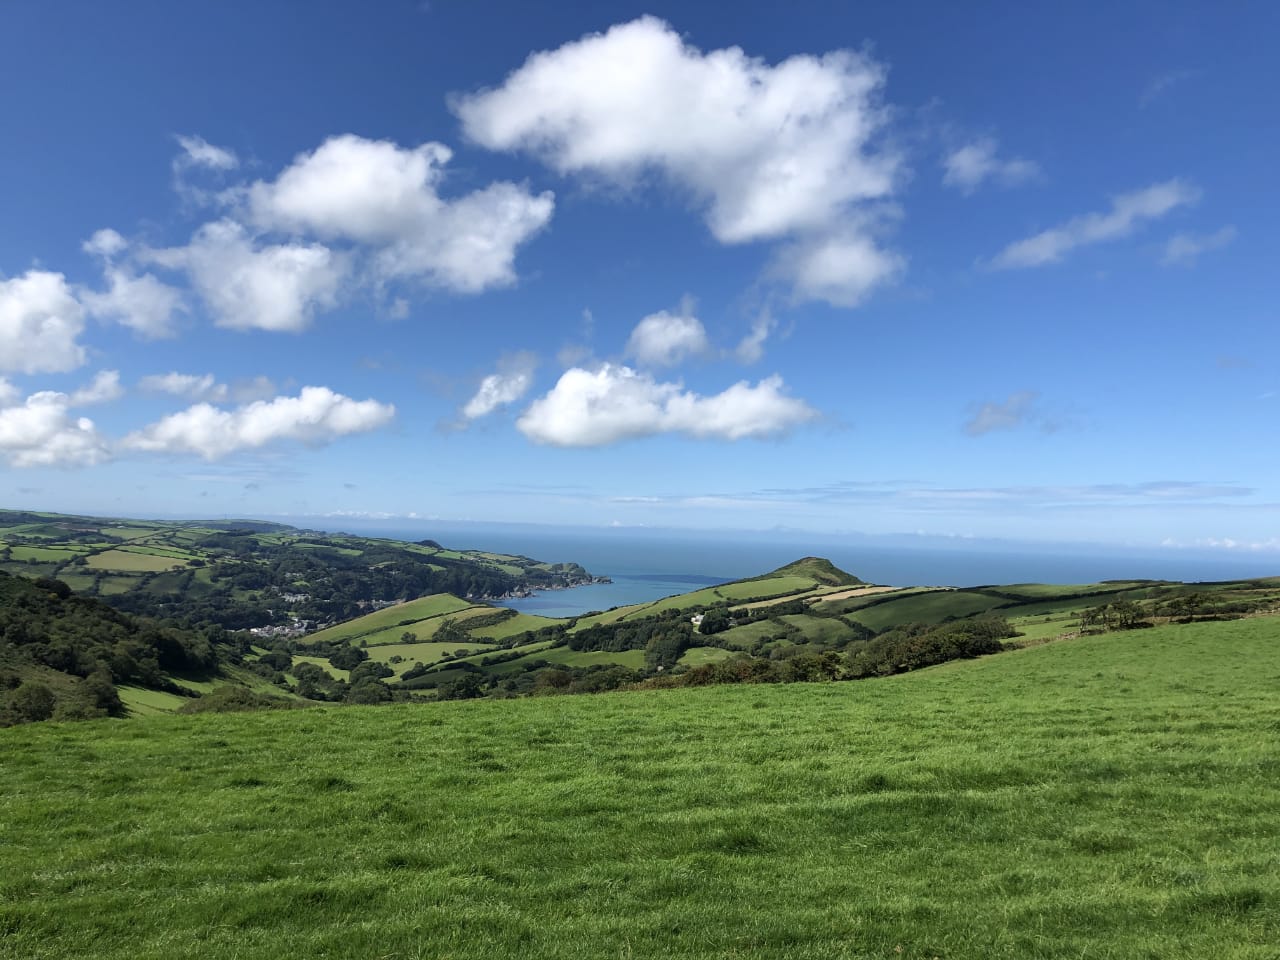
(648, 565)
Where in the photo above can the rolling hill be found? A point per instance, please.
(1106, 796)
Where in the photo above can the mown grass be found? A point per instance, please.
(1109, 797)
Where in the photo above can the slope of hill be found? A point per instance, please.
(387, 629)
(1109, 796)
(244, 573)
(62, 656)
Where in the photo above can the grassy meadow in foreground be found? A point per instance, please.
(1107, 797)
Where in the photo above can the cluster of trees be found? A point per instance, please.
(85, 648)
(917, 645)
(1117, 615)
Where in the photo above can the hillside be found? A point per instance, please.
(805, 621)
(1109, 796)
(246, 574)
(63, 656)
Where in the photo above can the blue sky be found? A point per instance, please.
(1001, 270)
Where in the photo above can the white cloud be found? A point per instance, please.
(40, 319)
(105, 243)
(1018, 409)
(592, 408)
(378, 193)
(143, 304)
(509, 384)
(664, 339)
(316, 416)
(104, 388)
(751, 348)
(8, 392)
(198, 152)
(968, 166)
(248, 286)
(189, 385)
(1128, 212)
(40, 433)
(1184, 249)
(841, 268)
(767, 151)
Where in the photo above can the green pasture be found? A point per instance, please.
(45, 554)
(520, 623)
(412, 611)
(725, 592)
(698, 656)
(424, 629)
(132, 562)
(532, 651)
(1111, 797)
(608, 616)
(932, 607)
(128, 533)
(109, 585)
(747, 635)
(822, 629)
(587, 658)
(142, 702)
(415, 653)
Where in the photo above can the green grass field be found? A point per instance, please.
(1108, 797)
(517, 624)
(129, 562)
(924, 608)
(420, 609)
(415, 653)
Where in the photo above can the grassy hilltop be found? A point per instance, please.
(1110, 796)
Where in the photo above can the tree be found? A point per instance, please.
(714, 620)
(32, 701)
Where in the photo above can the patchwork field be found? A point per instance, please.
(1107, 797)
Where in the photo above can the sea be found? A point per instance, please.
(646, 564)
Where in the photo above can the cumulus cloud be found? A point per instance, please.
(378, 193)
(842, 267)
(664, 339)
(144, 304)
(199, 152)
(1009, 414)
(766, 151)
(190, 385)
(40, 432)
(1184, 249)
(316, 416)
(104, 388)
(248, 285)
(1128, 212)
(967, 167)
(589, 408)
(509, 384)
(105, 243)
(40, 321)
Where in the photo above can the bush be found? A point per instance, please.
(231, 699)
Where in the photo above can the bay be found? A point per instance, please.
(646, 565)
